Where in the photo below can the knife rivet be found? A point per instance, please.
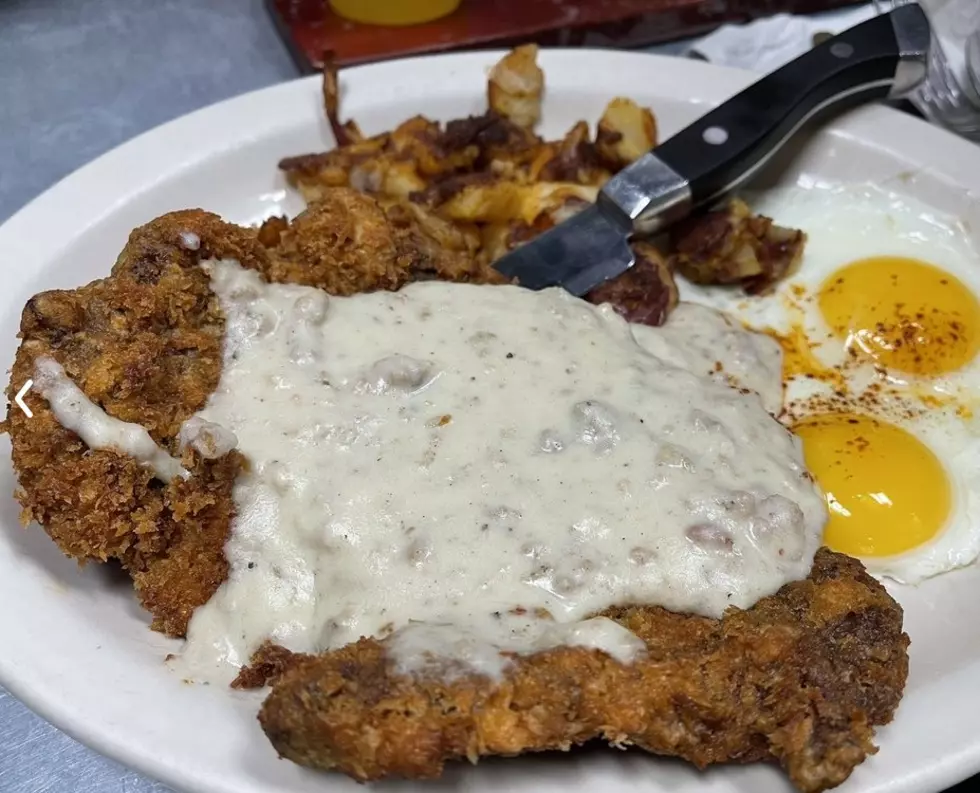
(841, 50)
(715, 135)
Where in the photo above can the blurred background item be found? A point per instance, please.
(312, 27)
(393, 12)
(951, 95)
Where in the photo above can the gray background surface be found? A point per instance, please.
(77, 78)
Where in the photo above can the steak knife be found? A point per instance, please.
(885, 57)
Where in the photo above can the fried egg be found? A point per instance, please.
(880, 330)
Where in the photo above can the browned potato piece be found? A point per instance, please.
(562, 208)
(397, 178)
(646, 293)
(316, 174)
(345, 133)
(556, 200)
(573, 159)
(422, 143)
(733, 246)
(516, 85)
(449, 235)
(625, 133)
(488, 200)
(494, 140)
(498, 239)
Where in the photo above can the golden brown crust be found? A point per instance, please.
(145, 345)
(267, 665)
(802, 677)
(348, 243)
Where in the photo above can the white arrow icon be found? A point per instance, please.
(19, 399)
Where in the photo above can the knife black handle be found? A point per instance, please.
(710, 158)
(887, 55)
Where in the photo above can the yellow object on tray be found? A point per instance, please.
(394, 12)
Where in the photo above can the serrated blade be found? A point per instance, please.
(578, 254)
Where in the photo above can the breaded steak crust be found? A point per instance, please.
(145, 345)
(802, 677)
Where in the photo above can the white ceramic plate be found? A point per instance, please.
(74, 644)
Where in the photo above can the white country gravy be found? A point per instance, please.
(99, 430)
(454, 463)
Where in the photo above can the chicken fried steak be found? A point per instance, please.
(803, 676)
(145, 345)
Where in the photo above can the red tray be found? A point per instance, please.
(310, 28)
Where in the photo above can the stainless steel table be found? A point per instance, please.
(78, 77)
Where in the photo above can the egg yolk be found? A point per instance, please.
(886, 491)
(905, 314)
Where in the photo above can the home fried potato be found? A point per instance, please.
(731, 245)
(625, 133)
(501, 184)
(516, 86)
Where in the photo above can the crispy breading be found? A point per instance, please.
(802, 677)
(145, 345)
(348, 243)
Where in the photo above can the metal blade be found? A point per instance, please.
(578, 254)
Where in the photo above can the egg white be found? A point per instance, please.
(845, 223)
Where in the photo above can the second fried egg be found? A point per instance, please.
(880, 330)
